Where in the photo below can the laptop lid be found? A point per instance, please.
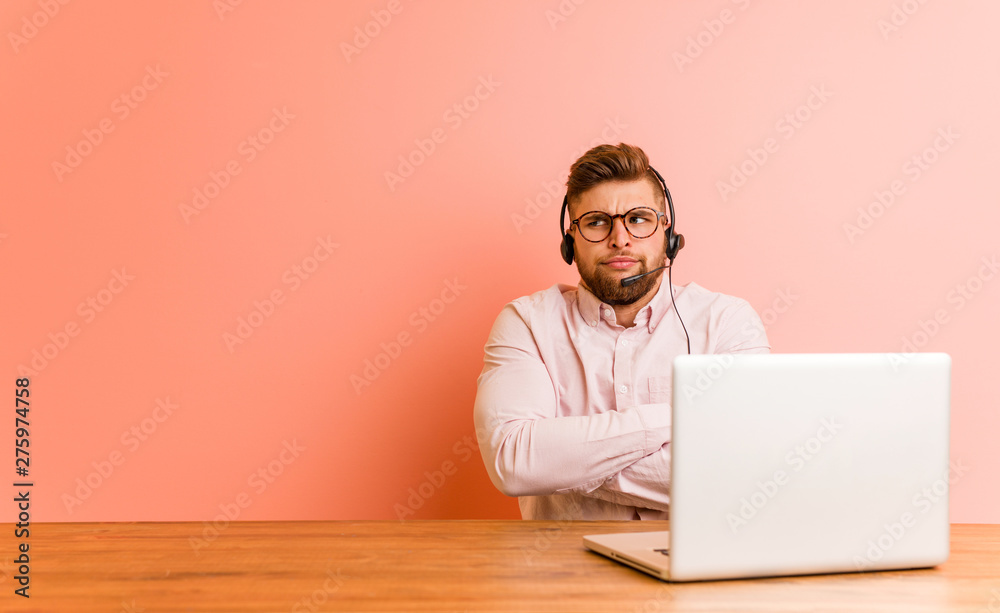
(788, 464)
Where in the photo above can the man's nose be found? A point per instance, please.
(619, 234)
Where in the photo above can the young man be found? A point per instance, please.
(573, 403)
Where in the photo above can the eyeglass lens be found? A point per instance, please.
(640, 223)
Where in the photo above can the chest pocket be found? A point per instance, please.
(660, 389)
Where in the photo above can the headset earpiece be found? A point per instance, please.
(566, 246)
(675, 242)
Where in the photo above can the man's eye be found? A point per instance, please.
(593, 223)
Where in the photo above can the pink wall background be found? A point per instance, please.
(171, 93)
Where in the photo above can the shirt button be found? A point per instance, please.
(607, 312)
(593, 323)
(624, 342)
(623, 389)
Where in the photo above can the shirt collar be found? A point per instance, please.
(593, 310)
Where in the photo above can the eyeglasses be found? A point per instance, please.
(640, 222)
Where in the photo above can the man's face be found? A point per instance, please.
(603, 265)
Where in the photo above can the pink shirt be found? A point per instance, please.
(573, 410)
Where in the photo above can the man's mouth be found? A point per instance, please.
(620, 263)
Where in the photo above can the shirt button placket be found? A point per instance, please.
(622, 373)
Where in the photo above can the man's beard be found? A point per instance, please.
(609, 289)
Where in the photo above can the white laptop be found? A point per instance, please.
(793, 464)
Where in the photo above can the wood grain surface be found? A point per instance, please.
(435, 566)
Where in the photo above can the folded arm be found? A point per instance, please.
(646, 482)
(531, 451)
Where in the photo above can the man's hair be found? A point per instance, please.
(605, 163)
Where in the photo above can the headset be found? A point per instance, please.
(675, 242)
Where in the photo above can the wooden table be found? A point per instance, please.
(435, 566)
